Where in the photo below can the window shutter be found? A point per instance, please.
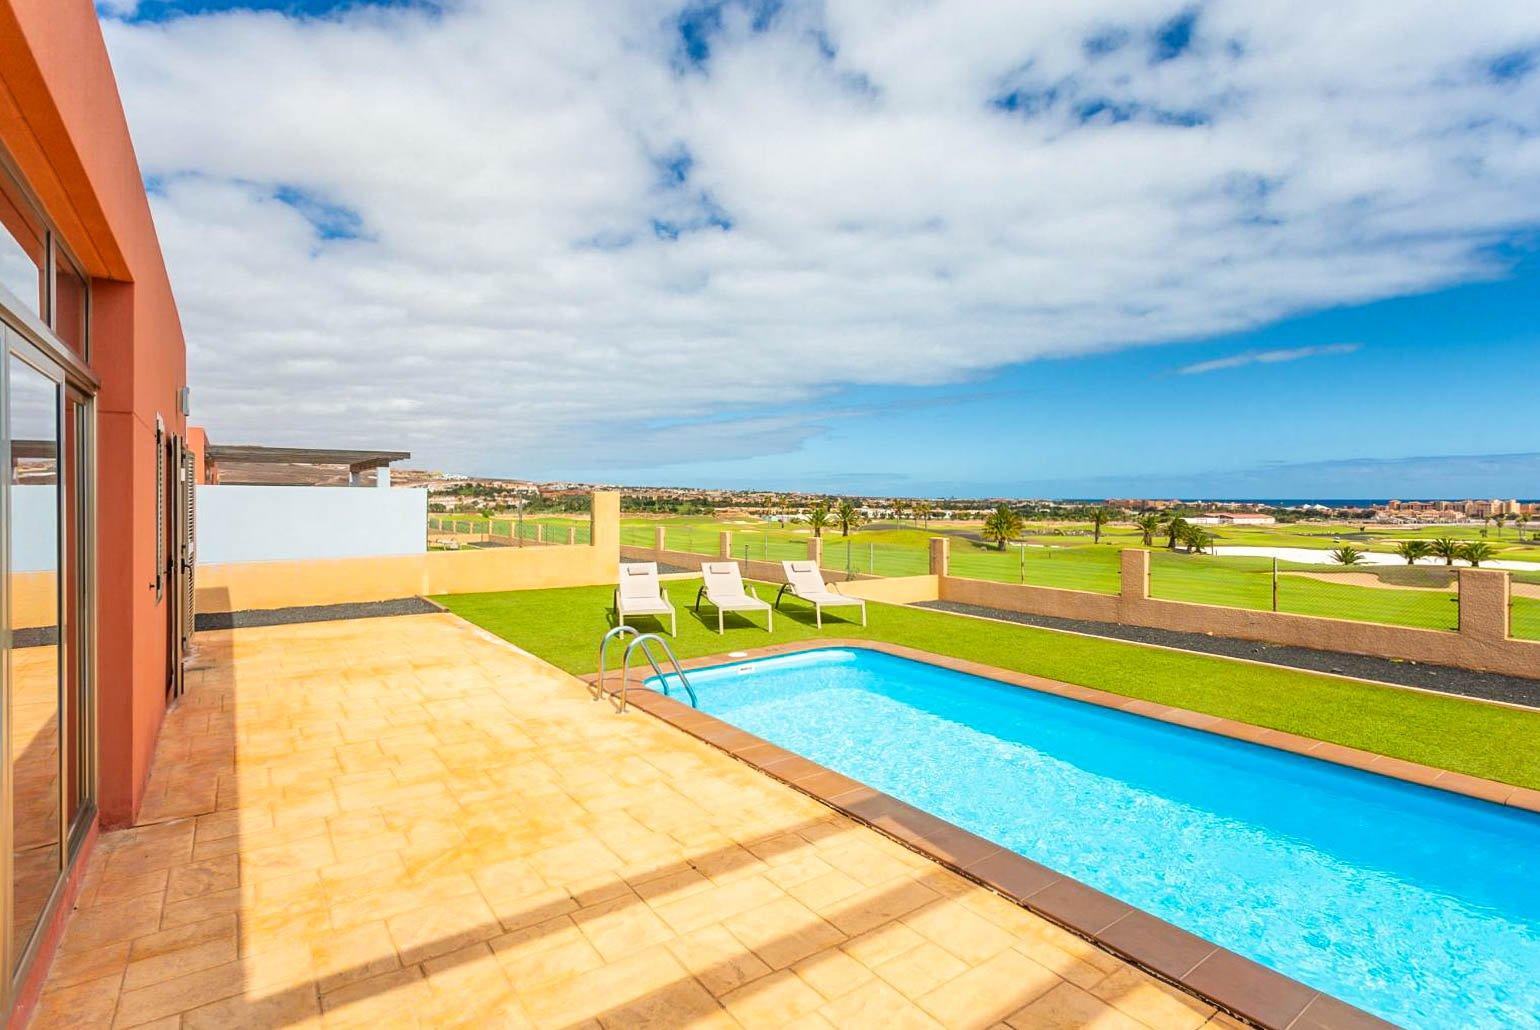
(160, 508)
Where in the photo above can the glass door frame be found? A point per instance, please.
(25, 337)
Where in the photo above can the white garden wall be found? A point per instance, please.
(286, 523)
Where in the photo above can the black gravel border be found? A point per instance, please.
(1444, 679)
(316, 613)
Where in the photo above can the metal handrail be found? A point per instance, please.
(644, 641)
(604, 647)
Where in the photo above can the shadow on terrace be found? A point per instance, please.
(403, 821)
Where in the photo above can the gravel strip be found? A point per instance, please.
(1488, 686)
(316, 613)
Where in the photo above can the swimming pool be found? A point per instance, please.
(1415, 904)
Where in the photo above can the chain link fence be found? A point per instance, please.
(1421, 596)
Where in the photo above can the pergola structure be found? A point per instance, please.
(244, 464)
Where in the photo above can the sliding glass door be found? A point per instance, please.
(48, 706)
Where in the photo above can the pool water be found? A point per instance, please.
(1420, 906)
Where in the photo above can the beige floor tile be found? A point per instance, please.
(340, 796)
(922, 969)
(621, 926)
(783, 932)
(876, 1004)
(1067, 1007)
(773, 1000)
(990, 991)
(832, 972)
(89, 1003)
(1151, 1002)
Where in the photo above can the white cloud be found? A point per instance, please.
(533, 286)
(1267, 357)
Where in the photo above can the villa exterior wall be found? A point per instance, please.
(63, 127)
(244, 586)
(289, 523)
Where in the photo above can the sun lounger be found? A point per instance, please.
(805, 581)
(724, 588)
(639, 593)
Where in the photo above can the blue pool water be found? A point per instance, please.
(1418, 905)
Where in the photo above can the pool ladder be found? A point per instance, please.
(644, 642)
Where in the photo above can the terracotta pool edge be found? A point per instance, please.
(1233, 983)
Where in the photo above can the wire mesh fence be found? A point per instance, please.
(1422, 596)
(768, 547)
(1524, 605)
(510, 531)
(857, 558)
(1093, 569)
(636, 536)
(692, 540)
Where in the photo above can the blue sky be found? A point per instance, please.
(1135, 248)
(1426, 396)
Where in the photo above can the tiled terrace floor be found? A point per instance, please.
(401, 822)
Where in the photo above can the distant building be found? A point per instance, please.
(1232, 518)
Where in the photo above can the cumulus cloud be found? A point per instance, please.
(513, 237)
(1266, 357)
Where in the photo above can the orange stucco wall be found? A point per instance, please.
(62, 122)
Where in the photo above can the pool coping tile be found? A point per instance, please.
(1238, 985)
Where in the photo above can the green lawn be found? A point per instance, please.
(1064, 557)
(564, 626)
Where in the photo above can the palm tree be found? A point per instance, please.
(1099, 518)
(846, 516)
(899, 507)
(1347, 554)
(1499, 519)
(1176, 528)
(819, 518)
(1446, 548)
(1413, 550)
(922, 511)
(1149, 525)
(1477, 552)
(1197, 538)
(1003, 524)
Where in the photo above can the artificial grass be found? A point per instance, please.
(563, 627)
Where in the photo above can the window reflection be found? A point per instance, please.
(21, 250)
(33, 465)
(69, 304)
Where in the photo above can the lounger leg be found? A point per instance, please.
(720, 627)
(673, 622)
(769, 620)
(863, 613)
(818, 615)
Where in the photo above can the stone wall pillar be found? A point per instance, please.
(571, 535)
(940, 556)
(725, 544)
(1134, 565)
(1484, 604)
(605, 519)
(815, 550)
(659, 538)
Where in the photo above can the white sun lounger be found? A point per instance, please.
(639, 593)
(805, 581)
(723, 587)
